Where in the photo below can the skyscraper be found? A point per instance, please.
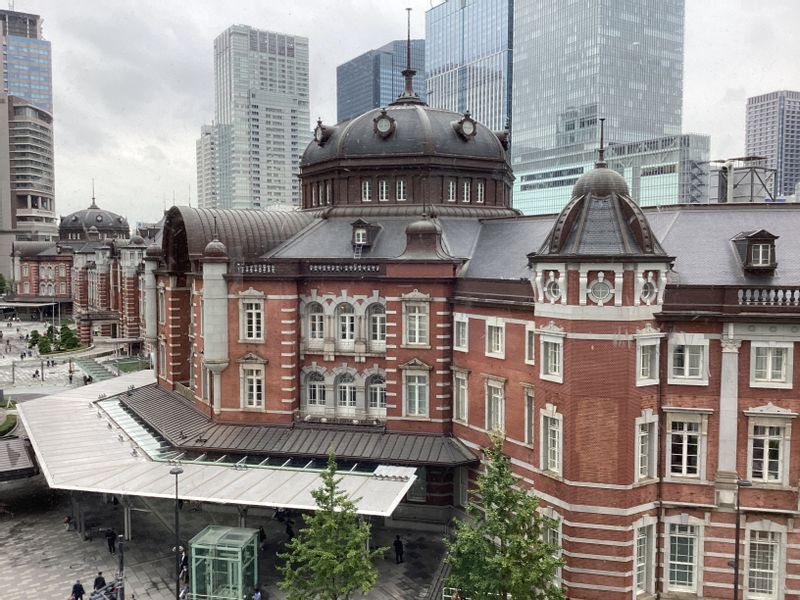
(468, 58)
(773, 131)
(261, 117)
(577, 62)
(207, 161)
(375, 78)
(27, 65)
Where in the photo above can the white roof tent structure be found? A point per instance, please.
(84, 441)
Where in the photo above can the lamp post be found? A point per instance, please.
(740, 483)
(177, 471)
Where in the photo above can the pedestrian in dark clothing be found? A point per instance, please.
(99, 581)
(398, 550)
(78, 591)
(111, 540)
(262, 537)
(289, 530)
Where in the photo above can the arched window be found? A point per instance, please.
(346, 391)
(376, 394)
(346, 321)
(315, 390)
(316, 320)
(377, 327)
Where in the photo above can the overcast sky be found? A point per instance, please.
(134, 80)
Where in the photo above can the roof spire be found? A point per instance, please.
(408, 96)
(216, 231)
(601, 162)
(94, 204)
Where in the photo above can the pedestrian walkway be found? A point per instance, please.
(40, 554)
(94, 369)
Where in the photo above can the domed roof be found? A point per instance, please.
(215, 249)
(154, 251)
(137, 240)
(410, 129)
(601, 181)
(106, 222)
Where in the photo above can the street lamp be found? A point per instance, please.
(177, 471)
(740, 483)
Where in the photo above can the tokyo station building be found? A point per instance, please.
(639, 364)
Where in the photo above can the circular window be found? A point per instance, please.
(99, 218)
(552, 290)
(600, 291)
(648, 291)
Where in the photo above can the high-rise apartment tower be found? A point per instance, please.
(773, 131)
(375, 78)
(576, 62)
(27, 65)
(468, 58)
(261, 118)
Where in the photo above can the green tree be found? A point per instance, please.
(33, 338)
(501, 549)
(329, 559)
(45, 347)
(3, 284)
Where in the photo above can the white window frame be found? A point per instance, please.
(547, 365)
(460, 332)
(466, 191)
(162, 306)
(360, 236)
(529, 401)
(419, 381)
(780, 533)
(495, 402)
(461, 484)
(647, 361)
(644, 556)
(530, 344)
(480, 192)
(315, 390)
(251, 307)
(698, 419)
(26, 287)
(461, 395)
(401, 190)
(416, 323)
(646, 444)
(551, 440)
(250, 373)
(757, 258)
(316, 324)
(688, 340)
(377, 327)
(784, 446)
(345, 327)
(376, 394)
(383, 190)
(495, 338)
(366, 190)
(451, 190)
(680, 522)
(162, 359)
(346, 392)
(782, 382)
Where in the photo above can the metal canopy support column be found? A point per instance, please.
(127, 503)
(242, 516)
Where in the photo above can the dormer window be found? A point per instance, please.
(364, 234)
(761, 255)
(756, 251)
(360, 236)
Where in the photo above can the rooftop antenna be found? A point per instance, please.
(216, 231)
(602, 151)
(94, 203)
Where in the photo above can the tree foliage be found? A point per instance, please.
(501, 549)
(329, 559)
(3, 284)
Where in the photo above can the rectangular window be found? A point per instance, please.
(419, 489)
(643, 568)
(62, 288)
(460, 332)
(451, 190)
(767, 453)
(480, 192)
(376, 396)
(466, 190)
(495, 340)
(162, 307)
(682, 557)
(315, 327)
(377, 328)
(770, 365)
(530, 340)
(162, 359)
(360, 237)
(647, 363)
(253, 387)
(760, 255)
(494, 406)
(253, 320)
(551, 443)
(400, 190)
(315, 393)
(383, 190)
(684, 448)
(347, 327)
(687, 362)
(366, 190)
(460, 391)
(416, 323)
(551, 363)
(645, 450)
(763, 563)
(528, 395)
(62, 271)
(417, 395)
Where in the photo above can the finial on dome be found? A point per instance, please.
(94, 204)
(409, 96)
(601, 162)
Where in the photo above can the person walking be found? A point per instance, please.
(256, 594)
(111, 540)
(398, 550)
(77, 590)
(99, 581)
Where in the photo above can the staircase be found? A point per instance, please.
(94, 369)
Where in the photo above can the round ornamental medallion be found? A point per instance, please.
(648, 292)
(383, 124)
(552, 290)
(600, 290)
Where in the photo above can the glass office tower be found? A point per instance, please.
(468, 58)
(576, 61)
(27, 64)
(262, 117)
(773, 131)
(375, 78)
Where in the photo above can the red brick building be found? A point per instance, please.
(639, 364)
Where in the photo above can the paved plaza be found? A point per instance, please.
(41, 559)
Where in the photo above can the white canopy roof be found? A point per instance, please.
(80, 447)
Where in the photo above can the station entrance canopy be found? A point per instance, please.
(85, 441)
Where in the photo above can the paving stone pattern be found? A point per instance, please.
(39, 558)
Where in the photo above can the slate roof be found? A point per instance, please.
(185, 427)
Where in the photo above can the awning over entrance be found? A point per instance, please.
(81, 447)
